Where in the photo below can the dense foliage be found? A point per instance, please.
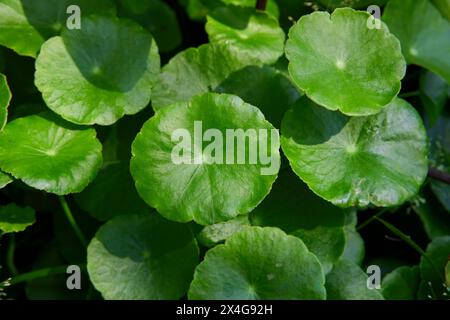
(118, 155)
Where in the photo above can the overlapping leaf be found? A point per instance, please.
(99, 73)
(15, 219)
(380, 159)
(342, 64)
(259, 263)
(200, 184)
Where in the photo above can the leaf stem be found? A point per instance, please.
(32, 275)
(411, 243)
(10, 254)
(439, 175)
(72, 221)
(409, 94)
(261, 5)
(371, 219)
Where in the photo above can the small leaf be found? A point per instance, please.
(196, 71)
(137, 257)
(264, 87)
(99, 73)
(436, 221)
(49, 154)
(401, 284)
(15, 219)
(111, 194)
(258, 263)
(423, 33)
(214, 234)
(5, 98)
(348, 282)
(380, 159)
(157, 17)
(432, 270)
(342, 64)
(249, 32)
(326, 243)
(26, 24)
(201, 185)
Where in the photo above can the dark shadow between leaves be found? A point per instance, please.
(233, 16)
(319, 125)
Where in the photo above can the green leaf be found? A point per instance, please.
(157, 17)
(265, 87)
(99, 73)
(15, 219)
(200, 185)
(433, 93)
(343, 65)
(258, 263)
(423, 33)
(49, 154)
(214, 234)
(348, 282)
(291, 206)
(249, 32)
(5, 179)
(444, 7)
(196, 71)
(440, 157)
(432, 270)
(111, 194)
(26, 24)
(326, 243)
(5, 98)
(401, 284)
(139, 257)
(379, 160)
(447, 274)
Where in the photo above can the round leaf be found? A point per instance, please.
(111, 194)
(265, 87)
(379, 160)
(49, 154)
(142, 257)
(206, 185)
(342, 64)
(99, 73)
(423, 32)
(211, 235)
(26, 24)
(196, 71)
(5, 98)
(259, 263)
(15, 219)
(348, 282)
(249, 32)
(401, 284)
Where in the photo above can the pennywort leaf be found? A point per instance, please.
(139, 257)
(49, 154)
(259, 263)
(380, 159)
(342, 64)
(99, 73)
(15, 219)
(5, 98)
(182, 168)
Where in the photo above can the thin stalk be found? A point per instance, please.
(371, 219)
(10, 255)
(411, 243)
(72, 221)
(33, 275)
(261, 5)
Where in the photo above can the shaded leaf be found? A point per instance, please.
(401, 284)
(15, 219)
